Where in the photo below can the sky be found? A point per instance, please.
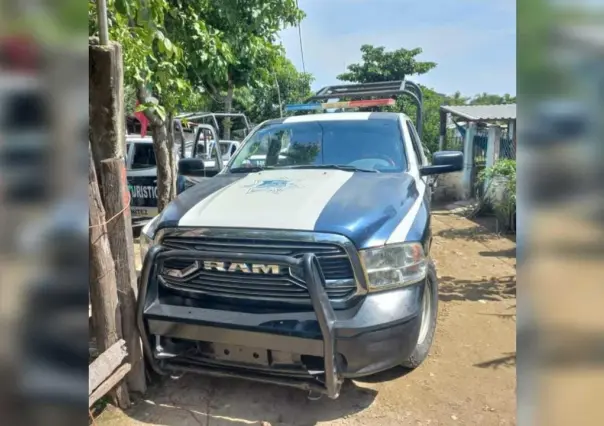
(472, 41)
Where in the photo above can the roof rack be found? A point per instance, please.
(351, 92)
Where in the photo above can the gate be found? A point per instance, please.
(479, 159)
(507, 149)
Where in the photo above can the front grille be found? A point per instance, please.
(285, 285)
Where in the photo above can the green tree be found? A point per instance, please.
(262, 100)
(286, 85)
(491, 99)
(249, 28)
(154, 65)
(457, 99)
(379, 65)
(175, 49)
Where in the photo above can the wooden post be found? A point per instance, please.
(106, 102)
(108, 384)
(106, 363)
(117, 200)
(103, 288)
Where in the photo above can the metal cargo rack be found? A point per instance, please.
(392, 89)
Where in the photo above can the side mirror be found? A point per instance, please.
(444, 162)
(191, 167)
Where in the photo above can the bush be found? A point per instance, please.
(502, 172)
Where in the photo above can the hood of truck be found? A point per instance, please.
(368, 208)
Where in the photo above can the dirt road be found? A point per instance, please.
(469, 379)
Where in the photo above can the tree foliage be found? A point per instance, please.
(248, 29)
(261, 100)
(380, 65)
(490, 99)
(286, 85)
(173, 50)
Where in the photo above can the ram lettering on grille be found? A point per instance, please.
(209, 265)
(248, 268)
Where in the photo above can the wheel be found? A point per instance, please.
(428, 321)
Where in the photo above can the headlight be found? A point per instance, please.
(395, 265)
(146, 237)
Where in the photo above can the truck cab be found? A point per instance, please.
(304, 262)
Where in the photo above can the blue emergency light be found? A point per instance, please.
(302, 107)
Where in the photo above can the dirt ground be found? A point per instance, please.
(469, 378)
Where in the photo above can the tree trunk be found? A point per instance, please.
(102, 280)
(171, 151)
(164, 168)
(227, 123)
(116, 196)
(160, 146)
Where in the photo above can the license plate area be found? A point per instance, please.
(241, 354)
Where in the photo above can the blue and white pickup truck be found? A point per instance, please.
(308, 269)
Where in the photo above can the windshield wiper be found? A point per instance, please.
(331, 166)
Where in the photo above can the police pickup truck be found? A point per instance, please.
(141, 168)
(304, 269)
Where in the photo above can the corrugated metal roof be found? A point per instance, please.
(482, 112)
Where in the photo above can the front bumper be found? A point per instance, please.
(377, 333)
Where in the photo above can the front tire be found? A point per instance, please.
(428, 321)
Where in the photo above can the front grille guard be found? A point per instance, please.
(315, 284)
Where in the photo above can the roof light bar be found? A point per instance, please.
(363, 91)
(335, 105)
(338, 105)
(372, 102)
(302, 107)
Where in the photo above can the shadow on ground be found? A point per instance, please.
(474, 233)
(198, 400)
(386, 376)
(485, 229)
(507, 360)
(511, 253)
(489, 223)
(495, 288)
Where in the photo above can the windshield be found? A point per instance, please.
(143, 157)
(365, 144)
(225, 148)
